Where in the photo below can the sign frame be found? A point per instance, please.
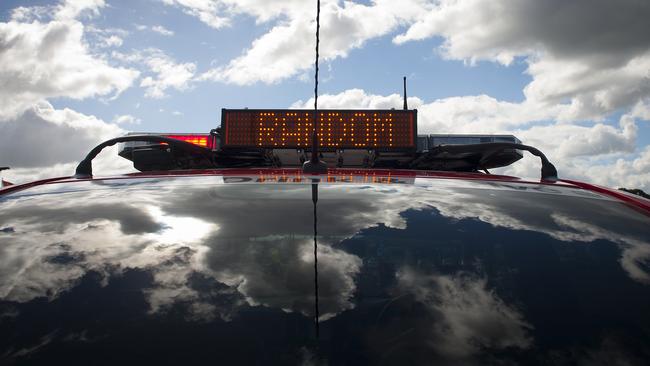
(412, 135)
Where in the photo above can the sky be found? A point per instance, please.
(571, 78)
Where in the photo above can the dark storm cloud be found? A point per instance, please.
(587, 59)
(606, 32)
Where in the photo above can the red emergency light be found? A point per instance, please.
(196, 139)
(337, 129)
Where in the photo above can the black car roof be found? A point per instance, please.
(219, 269)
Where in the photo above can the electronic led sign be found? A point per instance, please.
(337, 129)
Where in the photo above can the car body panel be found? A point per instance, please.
(412, 269)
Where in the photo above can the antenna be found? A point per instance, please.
(315, 165)
(406, 106)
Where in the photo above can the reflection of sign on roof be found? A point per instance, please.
(337, 129)
(353, 178)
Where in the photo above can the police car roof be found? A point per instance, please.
(413, 268)
(361, 175)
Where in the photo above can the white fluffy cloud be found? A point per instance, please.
(467, 114)
(288, 47)
(163, 71)
(70, 9)
(568, 141)
(162, 30)
(126, 119)
(207, 11)
(218, 13)
(585, 64)
(593, 54)
(578, 54)
(49, 59)
(578, 149)
(110, 41)
(358, 98)
(44, 54)
(169, 74)
(156, 28)
(45, 142)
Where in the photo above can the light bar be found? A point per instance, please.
(427, 142)
(337, 129)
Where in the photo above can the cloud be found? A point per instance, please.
(44, 54)
(44, 136)
(50, 59)
(568, 141)
(287, 49)
(593, 89)
(156, 28)
(110, 41)
(219, 13)
(596, 153)
(169, 74)
(162, 30)
(631, 172)
(126, 119)
(580, 57)
(584, 65)
(45, 142)
(206, 10)
(468, 114)
(30, 14)
(100, 38)
(501, 30)
(70, 9)
(574, 147)
(164, 72)
(577, 52)
(594, 62)
(358, 98)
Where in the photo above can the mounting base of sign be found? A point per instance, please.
(314, 167)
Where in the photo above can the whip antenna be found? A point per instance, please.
(315, 165)
(406, 106)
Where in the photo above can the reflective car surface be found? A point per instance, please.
(220, 269)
